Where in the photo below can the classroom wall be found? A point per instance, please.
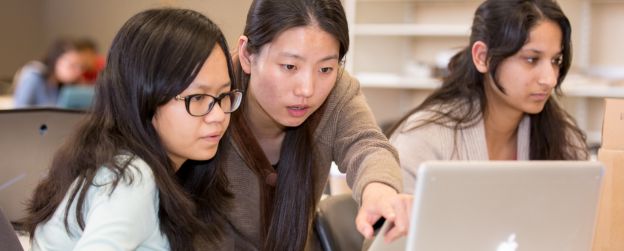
(41, 21)
(607, 38)
(29, 26)
(21, 34)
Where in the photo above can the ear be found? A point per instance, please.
(479, 56)
(243, 55)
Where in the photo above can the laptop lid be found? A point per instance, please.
(502, 206)
(30, 137)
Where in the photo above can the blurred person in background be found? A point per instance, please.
(38, 82)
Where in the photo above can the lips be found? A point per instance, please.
(298, 110)
(298, 107)
(212, 137)
(540, 96)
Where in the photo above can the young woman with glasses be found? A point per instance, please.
(164, 98)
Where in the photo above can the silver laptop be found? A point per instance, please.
(502, 206)
(28, 140)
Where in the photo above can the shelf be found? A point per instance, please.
(394, 81)
(592, 91)
(570, 88)
(606, 1)
(439, 30)
(593, 137)
(424, 1)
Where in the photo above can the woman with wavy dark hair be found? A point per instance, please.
(163, 99)
(301, 112)
(497, 102)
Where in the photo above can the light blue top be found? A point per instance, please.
(32, 88)
(126, 219)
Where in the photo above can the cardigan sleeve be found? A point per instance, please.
(414, 147)
(360, 148)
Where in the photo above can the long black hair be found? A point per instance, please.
(287, 208)
(154, 56)
(504, 26)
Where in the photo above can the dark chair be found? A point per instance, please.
(8, 238)
(334, 224)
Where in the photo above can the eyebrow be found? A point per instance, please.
(298, 57)
(329, 58)
(541, 52)
(290, 55)
(207, 88)
(224, 86)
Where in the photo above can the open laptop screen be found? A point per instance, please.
(29, 139)
(503, 206)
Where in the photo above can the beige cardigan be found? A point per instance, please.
(347, 134)
(435, 142)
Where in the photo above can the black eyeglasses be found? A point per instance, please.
(198, 105)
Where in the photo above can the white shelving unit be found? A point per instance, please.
(395, 81)
(571, 88)
(390, 87)
(411, 30)
(389, 35)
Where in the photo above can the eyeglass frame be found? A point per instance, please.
(217, 100)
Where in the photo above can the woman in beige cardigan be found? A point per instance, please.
(496, 103)
(301, 111)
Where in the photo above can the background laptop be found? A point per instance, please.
(29, 139)
(502, 206)
(76, 97)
